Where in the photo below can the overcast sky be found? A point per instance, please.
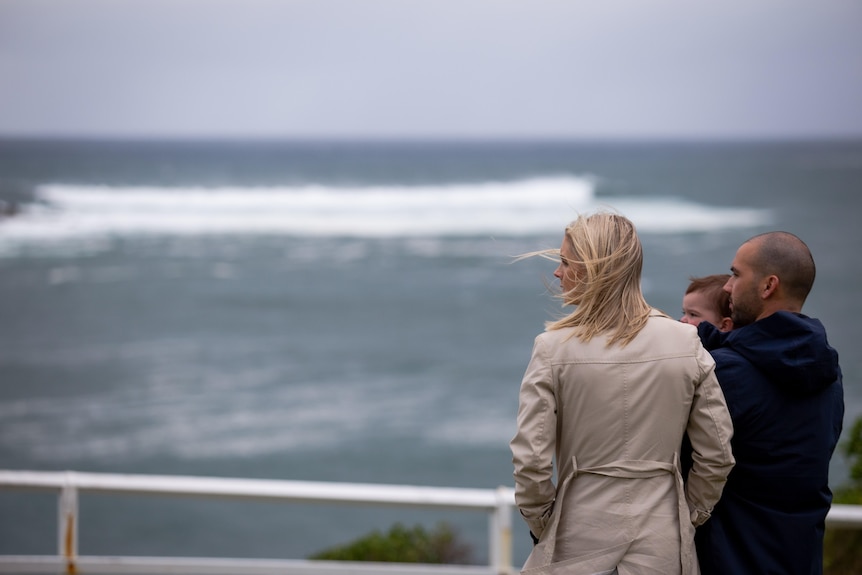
(431, 68)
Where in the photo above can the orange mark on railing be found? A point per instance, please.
(69, 545)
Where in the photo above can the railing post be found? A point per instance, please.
(501, 533)
(68, 523)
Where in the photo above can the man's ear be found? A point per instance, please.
(770, 285)
(726, 324)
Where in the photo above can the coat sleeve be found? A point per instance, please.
(710, 430)
(535, 441)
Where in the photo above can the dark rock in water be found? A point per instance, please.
(12, 196)
(8, 209)
(17, 192)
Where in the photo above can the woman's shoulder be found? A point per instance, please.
(661, 322)
(555, 336)
(654, 312)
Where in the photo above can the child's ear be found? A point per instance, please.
(726, 324)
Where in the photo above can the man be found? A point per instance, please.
(782, 383)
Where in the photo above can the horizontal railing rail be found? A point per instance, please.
(497, 503)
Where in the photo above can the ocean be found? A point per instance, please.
(340, 311)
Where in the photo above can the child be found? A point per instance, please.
(706, 300)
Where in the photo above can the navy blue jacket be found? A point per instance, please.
(783, 388)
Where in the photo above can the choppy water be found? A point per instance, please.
(338, 312)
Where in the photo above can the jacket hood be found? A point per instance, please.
(790, 349)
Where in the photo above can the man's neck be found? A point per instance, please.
(777, 306)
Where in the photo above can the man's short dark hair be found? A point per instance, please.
(786, 256)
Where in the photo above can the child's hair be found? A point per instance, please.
(712, 287)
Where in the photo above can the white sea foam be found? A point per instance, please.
(500, 209)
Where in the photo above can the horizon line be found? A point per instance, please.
(429, 139)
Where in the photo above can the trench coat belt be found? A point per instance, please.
(633, 469)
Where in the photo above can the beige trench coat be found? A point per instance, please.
(614, 419)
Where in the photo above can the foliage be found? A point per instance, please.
(853, 450)
(843, 547)
(403, 545)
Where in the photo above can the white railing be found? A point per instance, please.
(497, 503)
(845, 516)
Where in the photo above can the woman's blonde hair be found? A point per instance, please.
(608, 293)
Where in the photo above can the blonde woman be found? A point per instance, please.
(609, 392)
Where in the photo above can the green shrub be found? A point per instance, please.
(403, 545)
(842, 548)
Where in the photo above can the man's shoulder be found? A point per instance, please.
(729, 360)
(736, 376)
